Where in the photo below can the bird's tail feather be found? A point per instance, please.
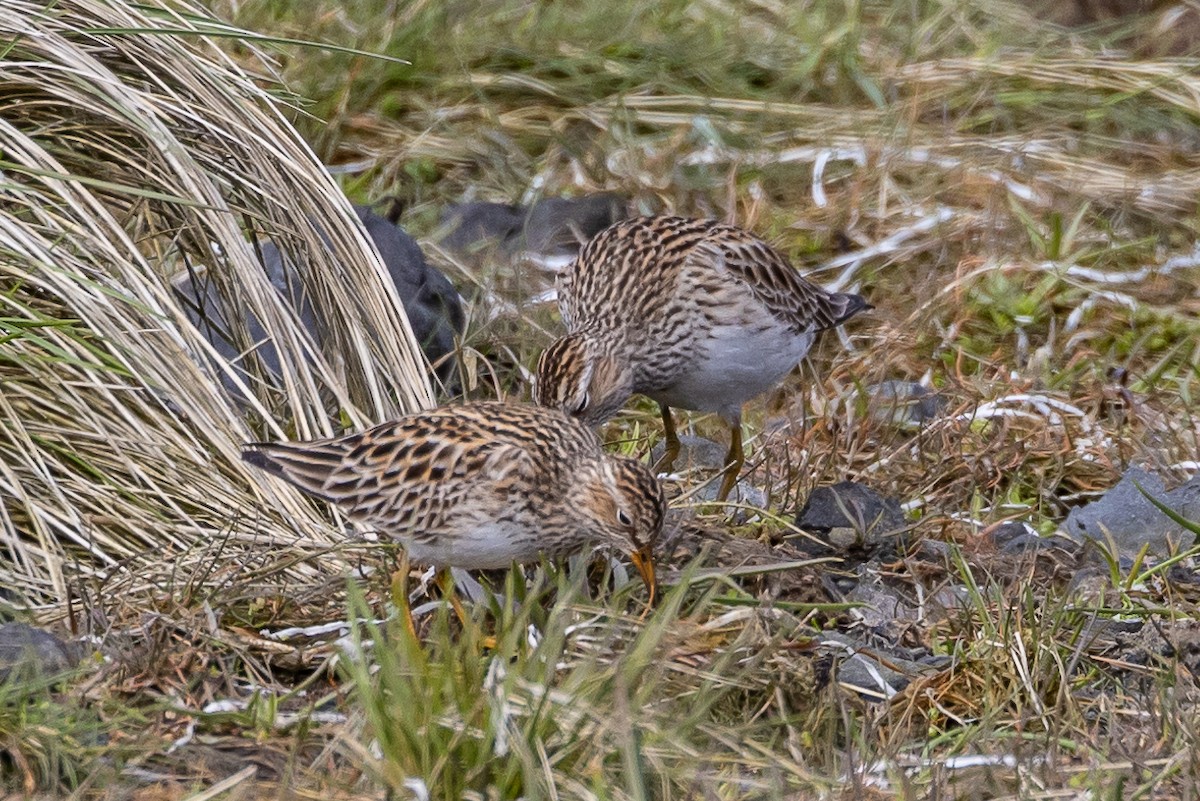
(309, 465)
(848, 305)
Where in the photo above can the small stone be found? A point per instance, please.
(872, 677)
(904, 404)
(1015, 536)
(948, 601)
(842, 537)
(700, 454)
(1126, 516)
(1179, 574)
(881, 605)
(932, 550)
(552, 226)
(741, 493)
(1011, 530)
(877, 670)
(858, 514)
(27, 651)
(695, 453)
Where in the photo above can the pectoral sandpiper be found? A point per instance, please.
(695, 314)
(481, 486)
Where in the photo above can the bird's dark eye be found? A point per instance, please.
(583, 404)
(623, 518)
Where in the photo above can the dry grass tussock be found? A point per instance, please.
(129, 159)
(1017, 199)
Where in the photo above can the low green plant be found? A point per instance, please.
(53, 739)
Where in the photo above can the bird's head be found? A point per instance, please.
(623, 506)
(579, 377)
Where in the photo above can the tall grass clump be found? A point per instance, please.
(134, 153)
(575, 698)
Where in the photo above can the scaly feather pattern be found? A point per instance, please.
(479, 485)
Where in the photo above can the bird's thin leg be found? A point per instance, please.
(671, 449)
(400, 593)
(734, 460)
(445, 582)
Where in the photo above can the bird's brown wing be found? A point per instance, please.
(786, 294)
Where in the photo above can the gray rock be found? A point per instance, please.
(849, 514)
(26, 651)
(932, 550)
(695, 453)
(562, 225)
(1014, 537)
(552, 226)
(741, 493)
(430, 301)
(472, 226)
(904, 404)
(1013, 532)
(1126, 516)
(876, 671)
(1184, 575)
(872, 677)
(881, 605)
(699, 454)
(948, 601)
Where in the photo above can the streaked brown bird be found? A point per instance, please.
(695, 314)
(481, 486)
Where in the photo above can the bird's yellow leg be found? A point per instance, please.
(446, 582)
(400, 594)
(734, 460)
(672, 446)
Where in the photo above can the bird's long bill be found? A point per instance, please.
(643, 560)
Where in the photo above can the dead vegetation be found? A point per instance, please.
(1017, 199)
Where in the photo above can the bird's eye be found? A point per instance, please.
(623, 518)
(583, 404)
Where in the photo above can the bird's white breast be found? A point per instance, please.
(734, 365)
(486, 546)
